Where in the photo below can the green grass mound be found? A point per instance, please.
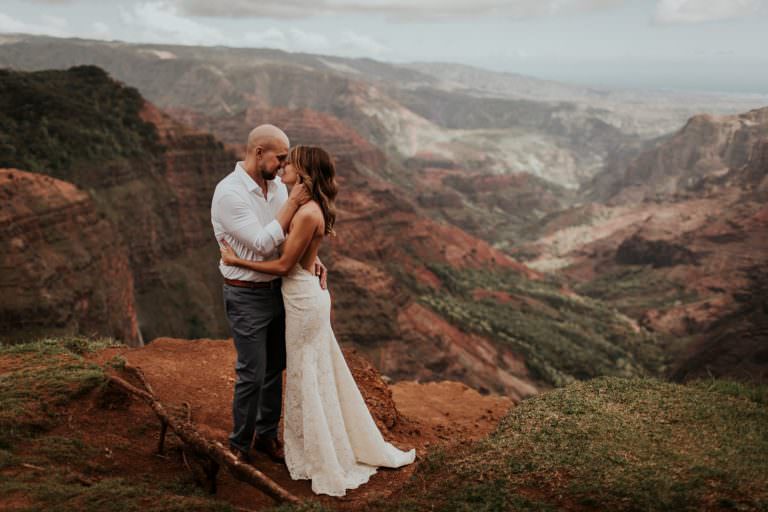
(609, 444)
(40, 470)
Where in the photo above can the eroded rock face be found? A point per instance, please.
(377, 394)
(686, 262)
(755, 174)
(388, 262)
(152, 177)
(736, 345)
(706, 148)
(65, 269)
(637, 250)
(168, 229)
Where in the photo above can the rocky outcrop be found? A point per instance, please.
(173, 248)
(736, 345)
(706, 148)
(151, 176)
(755, 173)
(503, 209)
(65, 269)
(636, 250)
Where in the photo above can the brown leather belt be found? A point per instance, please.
(275, 283)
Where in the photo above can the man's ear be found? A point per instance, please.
(258, 151)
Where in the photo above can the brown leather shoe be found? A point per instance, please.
(272, 447)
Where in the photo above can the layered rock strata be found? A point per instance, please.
(64, 268)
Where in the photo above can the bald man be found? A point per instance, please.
(251, 209)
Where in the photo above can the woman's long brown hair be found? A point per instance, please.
(318, 174)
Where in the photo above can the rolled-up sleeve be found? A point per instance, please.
(239, 222)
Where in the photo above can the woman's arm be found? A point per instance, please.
(236, 219)
(302, 232)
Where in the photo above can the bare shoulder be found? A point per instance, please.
(311, 213)
(310, 210)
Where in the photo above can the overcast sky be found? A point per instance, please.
(684, 44)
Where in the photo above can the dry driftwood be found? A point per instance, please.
(215, 451)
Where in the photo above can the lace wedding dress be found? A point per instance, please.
(330, 436)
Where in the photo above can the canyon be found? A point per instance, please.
(679, 243)
(510, 233)
(398, 274)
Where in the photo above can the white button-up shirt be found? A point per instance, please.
(243, 217)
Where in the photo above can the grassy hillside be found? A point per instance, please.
(609, 444)
(562, 336)
(633, 289)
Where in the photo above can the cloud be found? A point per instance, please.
(160, 22)
(51, 26)
(401, 9)
(302, 40)
(352, 43)
(48, 25)
(701, 11)
(290, 39)
(53, 2)
(296, 40)
(270, 38)
(100, 30)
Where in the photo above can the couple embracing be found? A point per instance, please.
(279, 309)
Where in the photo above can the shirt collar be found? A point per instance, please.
(251, 185)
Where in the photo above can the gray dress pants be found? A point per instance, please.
(257, 319)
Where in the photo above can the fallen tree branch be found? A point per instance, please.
(212, 449)
(143, 378)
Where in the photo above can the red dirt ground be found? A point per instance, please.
(200, 372)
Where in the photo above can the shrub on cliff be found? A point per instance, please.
(52, 120)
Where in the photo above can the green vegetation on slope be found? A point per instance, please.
(83, 127)
(52, 120)
(608, 444)
(562, 336)
(633, 289)
(45, 471)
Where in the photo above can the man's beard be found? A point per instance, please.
(269, 176)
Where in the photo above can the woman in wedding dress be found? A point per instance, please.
(330, 436)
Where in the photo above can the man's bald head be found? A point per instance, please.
(267, 136)
(266, 152)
